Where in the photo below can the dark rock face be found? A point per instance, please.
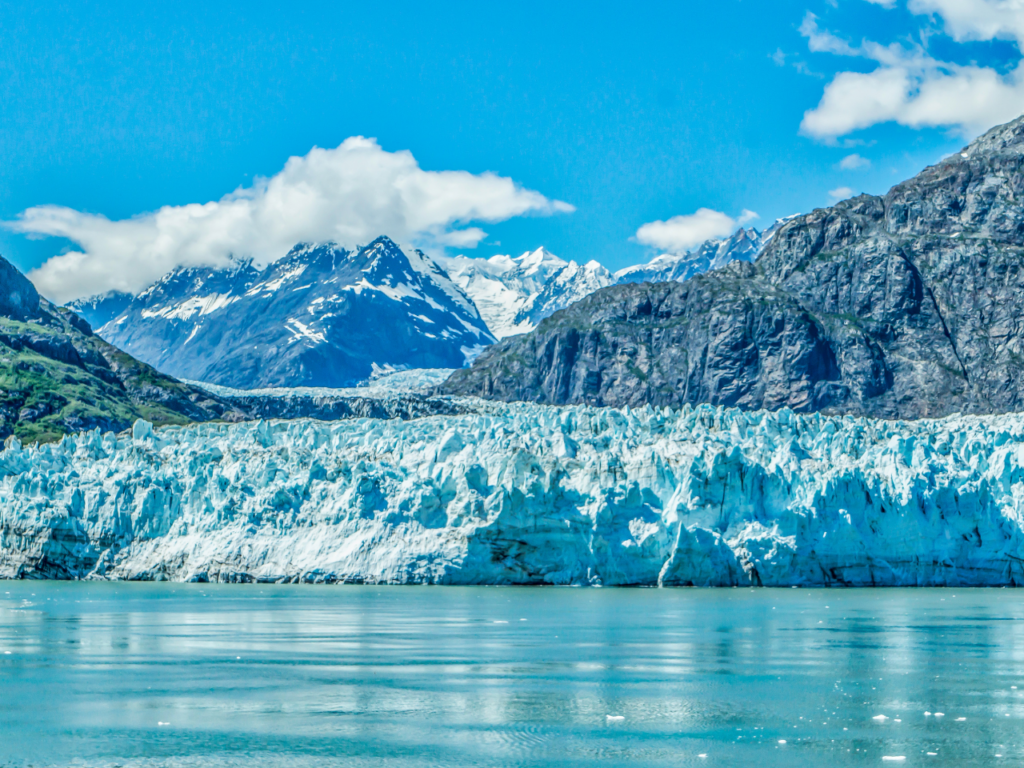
(904, 306)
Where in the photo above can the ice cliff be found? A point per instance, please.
(527, 494)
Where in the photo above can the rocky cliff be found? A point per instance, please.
(900, 306)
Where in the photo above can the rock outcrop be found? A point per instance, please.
(907, 305)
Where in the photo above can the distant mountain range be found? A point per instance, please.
(325, 316)
(515, 294)
(743, 245)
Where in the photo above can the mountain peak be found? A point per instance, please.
(320, 316)
(532, 262)
(18, 297)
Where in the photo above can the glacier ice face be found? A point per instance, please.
(527, 494)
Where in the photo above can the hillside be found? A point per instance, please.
(57, 376)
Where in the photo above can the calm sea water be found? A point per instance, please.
(245, 675)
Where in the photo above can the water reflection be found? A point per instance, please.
(119, 674)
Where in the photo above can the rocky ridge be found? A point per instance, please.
(906, 305)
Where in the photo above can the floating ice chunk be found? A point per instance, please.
(614, 718)
(894, 757)
(927, 714)
(880, 718)
(961, 719)
(782, 741)
(933, 754)
(940, 714)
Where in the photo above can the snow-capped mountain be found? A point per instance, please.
(101, 309)
(743, 245)
(514, 294)
(326, 316)
(321, 316)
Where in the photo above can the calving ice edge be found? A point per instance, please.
(528, 494)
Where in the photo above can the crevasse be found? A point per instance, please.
(527, 494)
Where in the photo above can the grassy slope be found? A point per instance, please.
(42, 398)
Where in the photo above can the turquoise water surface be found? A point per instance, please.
(102, 674)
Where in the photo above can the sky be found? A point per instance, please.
(136, 137)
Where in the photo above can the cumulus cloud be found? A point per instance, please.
(976, 19)
(854, 162)
(350, 194)
(843, 193)
(683, 233)
(912, 88)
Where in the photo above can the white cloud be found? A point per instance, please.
(912, 88)
(854, 162)
(842, 193)
(683, 233)
(350, 194)
(976, 19)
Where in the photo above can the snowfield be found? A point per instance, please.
(527, 494)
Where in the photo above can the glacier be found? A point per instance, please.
(527, 494)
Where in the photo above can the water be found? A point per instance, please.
(245, 675)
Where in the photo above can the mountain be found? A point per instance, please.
(906, 305)
(514, 294)
(743, 245)
(58, 377)
(322, 316)
(528, 494)
(100, 310)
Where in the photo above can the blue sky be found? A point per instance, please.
(631, 114)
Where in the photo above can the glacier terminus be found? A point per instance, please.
(527, 494)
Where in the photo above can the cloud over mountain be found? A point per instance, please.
(682, 233)
(349, 194)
